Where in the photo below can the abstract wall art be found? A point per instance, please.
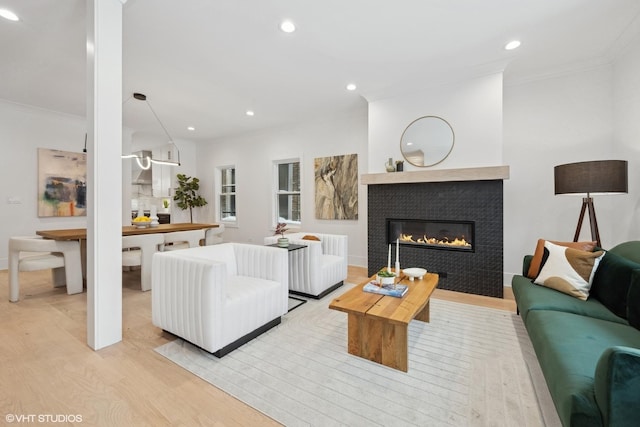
(336, 185)
(62, 183)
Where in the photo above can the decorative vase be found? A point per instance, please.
(154, 217)
(389, 165)
(399, 165)
(283, 242)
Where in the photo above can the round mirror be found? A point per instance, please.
(427, 141)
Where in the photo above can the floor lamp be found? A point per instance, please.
(595, 177)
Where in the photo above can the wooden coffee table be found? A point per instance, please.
(378, 324)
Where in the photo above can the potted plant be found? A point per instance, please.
(283, 242)
(386, 277)
(187, 196)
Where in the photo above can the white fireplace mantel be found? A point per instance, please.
(437, 175)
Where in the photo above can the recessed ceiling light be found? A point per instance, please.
(287, 26)
(351, 86)
(7, 14)
(249, 113)
(512, 45)
(191, 128)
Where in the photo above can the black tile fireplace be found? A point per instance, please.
(435, 214)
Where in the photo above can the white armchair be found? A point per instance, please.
(221, 296)
(35, 253)
(319, 268)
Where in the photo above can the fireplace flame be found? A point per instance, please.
(424, 240)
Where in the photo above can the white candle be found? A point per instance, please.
(397, 260)
(389, 259)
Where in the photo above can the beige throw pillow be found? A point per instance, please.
(536, 262)
(569, 270)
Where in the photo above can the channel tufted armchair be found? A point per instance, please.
(219, 297)
(319, 268)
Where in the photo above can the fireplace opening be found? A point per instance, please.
(432, 234)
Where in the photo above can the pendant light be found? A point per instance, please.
(145, 162)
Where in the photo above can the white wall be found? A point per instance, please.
(22, 131)
(188, 166)
(542, 122)
(253, 155)
(585, 115)
(127, 137)
(548, 122)
(626, 136)
(473, 108)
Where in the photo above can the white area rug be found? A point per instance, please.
(466, 368)
(295, 302)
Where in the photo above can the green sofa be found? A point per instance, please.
(589, 351)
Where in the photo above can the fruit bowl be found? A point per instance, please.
(141, 222)
(414, 272)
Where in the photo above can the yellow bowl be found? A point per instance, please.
(141, 224)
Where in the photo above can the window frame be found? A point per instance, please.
(219, 193)
(277, 192)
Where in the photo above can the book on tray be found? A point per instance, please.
(397, 291)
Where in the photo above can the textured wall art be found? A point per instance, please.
(62, 183)
(336, 180)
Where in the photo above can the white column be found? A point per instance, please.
(104, 172)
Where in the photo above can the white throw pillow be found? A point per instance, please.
(568, 270)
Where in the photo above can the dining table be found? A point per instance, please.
(80, 234)
(127, 230)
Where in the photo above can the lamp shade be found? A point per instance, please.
(600, 176)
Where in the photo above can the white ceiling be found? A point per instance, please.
(203, 63)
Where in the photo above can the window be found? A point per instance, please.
(227, 195)
(287, 192)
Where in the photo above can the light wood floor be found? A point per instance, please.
(46, 366)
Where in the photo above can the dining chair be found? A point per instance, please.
(213, 236)
(182, 239)
(34, 253)
(138, 250)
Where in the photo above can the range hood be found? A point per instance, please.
(141, 176)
